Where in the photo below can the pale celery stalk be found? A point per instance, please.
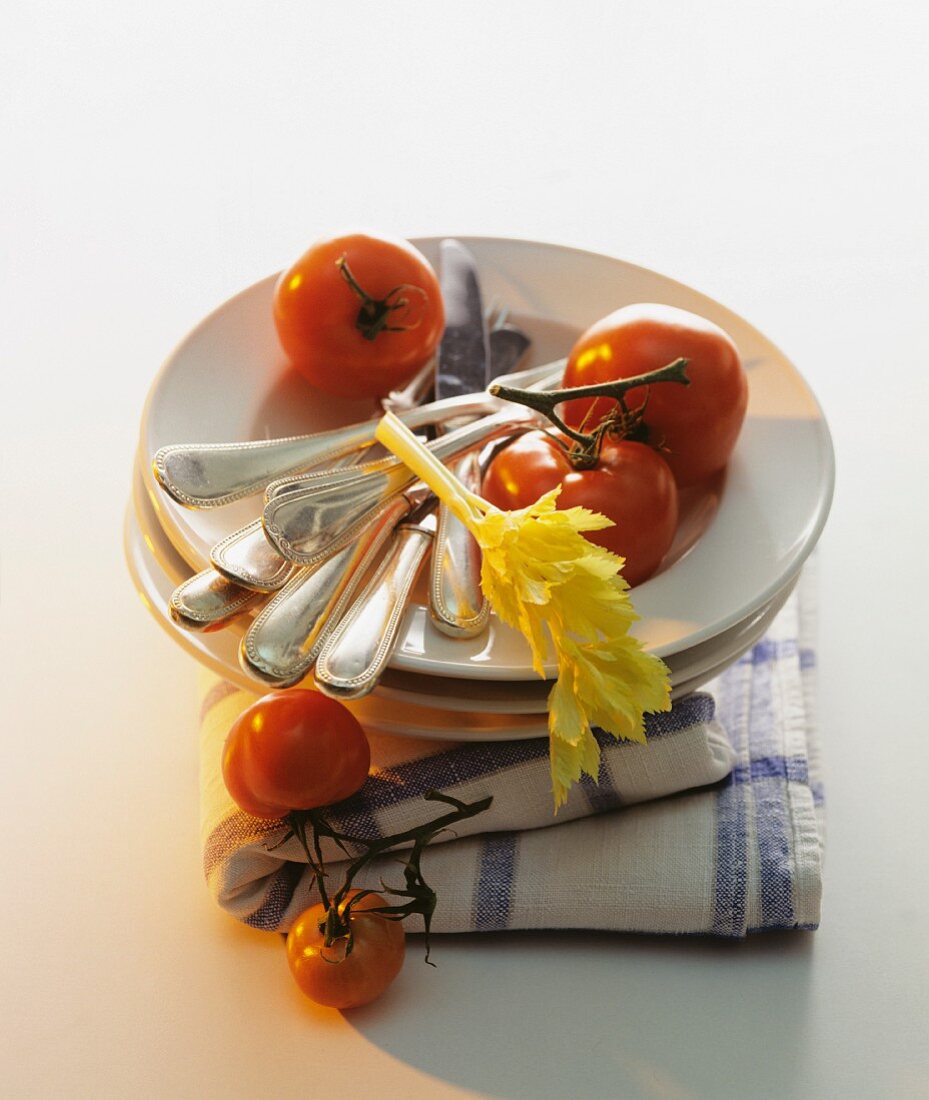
(544, 578)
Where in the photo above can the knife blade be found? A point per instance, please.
(456, 603)
(464, 353)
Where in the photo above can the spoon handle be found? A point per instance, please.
(209, 475)
(357, 652)
(283, 642)
(328, 509)
(457, 604)
(247, 558)
(208, 601)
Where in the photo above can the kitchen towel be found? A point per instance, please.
(714, 826)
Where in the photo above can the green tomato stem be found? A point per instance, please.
(376, 312)
(421, 898)
(545, 401)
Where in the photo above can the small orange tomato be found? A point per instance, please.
(330, 976)
(358, 315)
(630, 484)
(294, 750)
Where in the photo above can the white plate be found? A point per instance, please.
(228, 380)
(449, 693)
(218, 652)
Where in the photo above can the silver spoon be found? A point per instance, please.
(283, 642)
(361, 644)
(209, 475)
(208, 601)
(246, 557)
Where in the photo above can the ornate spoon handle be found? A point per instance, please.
(357, 652)
(208, 475)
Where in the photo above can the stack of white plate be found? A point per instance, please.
(740, 545)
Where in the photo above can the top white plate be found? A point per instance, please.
(229, 380)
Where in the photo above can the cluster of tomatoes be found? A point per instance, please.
(295, 751)
(660, 438)
(359, 316)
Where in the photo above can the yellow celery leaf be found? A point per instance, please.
(615, 682)
(607, 685)
(569, 761)
(565, 594)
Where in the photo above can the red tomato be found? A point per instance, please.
(631, 485)
(697, 425)
(350, 345)
(329, 976)
(294, 750)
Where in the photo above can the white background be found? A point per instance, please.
(157, 158)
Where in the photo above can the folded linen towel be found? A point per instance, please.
(741, 855)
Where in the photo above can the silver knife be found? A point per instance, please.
(456, 602)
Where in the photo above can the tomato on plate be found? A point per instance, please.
(294, 750)
(359, 315)
(631, 485)
(330, 975)
(695, 426)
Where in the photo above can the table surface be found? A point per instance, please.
(160, 157)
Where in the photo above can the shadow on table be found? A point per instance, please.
(530, 1016)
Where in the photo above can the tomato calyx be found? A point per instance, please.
(375, 313)
(309, 827)
(621, 422)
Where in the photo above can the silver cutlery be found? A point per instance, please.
(247, 558)
(208, 601)
(328, 511)
(210, 475)
(457, 605)
(362, 642)
(307, 570)
(414, 393)
(283, 642)
(508, 345)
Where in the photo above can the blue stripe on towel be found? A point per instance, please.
(493, 897)
(731, 863)
(236, 830)
(788, 768)
(270, 914)
(771, 824)
(601, 793)
(729, 908)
